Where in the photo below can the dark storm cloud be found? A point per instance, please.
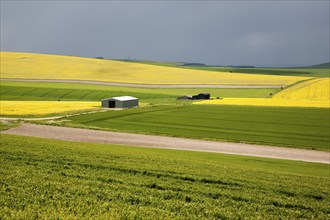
(262, 33)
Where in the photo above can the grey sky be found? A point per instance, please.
(261, 33)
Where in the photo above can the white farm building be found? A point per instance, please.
(120, 102)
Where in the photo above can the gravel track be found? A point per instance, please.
(150, 85)
(106, 137)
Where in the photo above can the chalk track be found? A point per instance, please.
(106, 137)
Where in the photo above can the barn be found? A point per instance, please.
(120, 102)
(202, 96)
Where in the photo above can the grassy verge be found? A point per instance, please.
(49, 179)
(5, 125)
(280, 126)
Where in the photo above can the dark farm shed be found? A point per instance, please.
(120, 102)
(202, 96)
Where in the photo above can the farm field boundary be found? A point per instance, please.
(86, 135)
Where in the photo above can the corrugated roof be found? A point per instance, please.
(123, 98)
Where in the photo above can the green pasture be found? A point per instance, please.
(48, 179)
(280, 126)
(85, 92)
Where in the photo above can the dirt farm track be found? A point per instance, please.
(149, 85)
(106, 137)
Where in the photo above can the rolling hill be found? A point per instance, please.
(42, 66)
(320, 66)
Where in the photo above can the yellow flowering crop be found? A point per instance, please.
(43, 107)
(316, 89)
(312, 93)
(42, 66)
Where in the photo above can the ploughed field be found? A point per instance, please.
(42, 66)
(281, 126)
(44, 179)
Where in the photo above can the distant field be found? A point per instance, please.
(307, 72)
(21, 108)
(85, 92)
(42, 66)
(311, 93)
(297, 127)
(47, 179)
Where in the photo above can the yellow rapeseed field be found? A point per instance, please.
(312, 93)
(316, 89)
(42, 66)
(43, 107)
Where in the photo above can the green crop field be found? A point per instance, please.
(85, 92)
(48, 179)
(281, 126)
